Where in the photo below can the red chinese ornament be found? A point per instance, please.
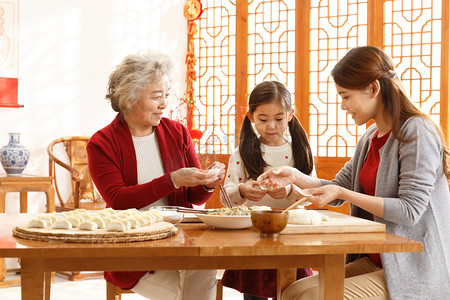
(196, 134)
(192, 10)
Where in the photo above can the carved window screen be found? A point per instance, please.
(298, 42)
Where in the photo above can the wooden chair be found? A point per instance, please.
(115, 293)
(81, 181)
(82, 184)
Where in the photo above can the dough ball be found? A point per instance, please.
(304, 217)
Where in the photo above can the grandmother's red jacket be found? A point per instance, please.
(113, 168)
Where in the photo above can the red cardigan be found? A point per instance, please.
(113, 167)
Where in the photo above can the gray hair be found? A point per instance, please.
(134, 74)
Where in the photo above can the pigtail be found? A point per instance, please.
(301, 150)
(250, 150)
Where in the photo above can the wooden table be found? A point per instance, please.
(198, 247)
(24, 184)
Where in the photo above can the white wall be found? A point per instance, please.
(67, 49)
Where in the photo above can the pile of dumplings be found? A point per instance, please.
(108, 218)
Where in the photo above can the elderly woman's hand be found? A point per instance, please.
(190, 177)
(217, 168)
(277, 177)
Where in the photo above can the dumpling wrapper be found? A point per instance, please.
(62, 224)
(37, 223)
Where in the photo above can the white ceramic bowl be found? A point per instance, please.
(170, 214)
(226, 222)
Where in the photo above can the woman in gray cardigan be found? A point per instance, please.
(398, 176)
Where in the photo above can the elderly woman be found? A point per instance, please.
(142, 159)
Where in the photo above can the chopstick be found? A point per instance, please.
(294, 204)
(225, 196)
(191, 210)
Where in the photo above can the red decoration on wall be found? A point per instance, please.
(8, 92)
(192, 11)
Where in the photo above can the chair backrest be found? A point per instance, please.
(82, 184)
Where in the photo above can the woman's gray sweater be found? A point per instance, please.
(410, 178)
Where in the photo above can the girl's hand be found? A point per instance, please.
(277, 177)
(325, 194)
(278, 193)
(251, 191)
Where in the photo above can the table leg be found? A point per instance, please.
(50, 193)
(2, 269)
(48, 284)
(284, 278)
(331, 277)
(2, 201)
(23, 202)
(32, 275)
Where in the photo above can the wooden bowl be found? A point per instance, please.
(269, 222)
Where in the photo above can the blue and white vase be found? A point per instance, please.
(14, 156)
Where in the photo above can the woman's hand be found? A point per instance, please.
(325, 194)
(251, 191)
(277, 177)
(191, 177)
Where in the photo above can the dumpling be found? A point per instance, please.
(99, 221)
(48, 218)
(37, 223)
(125, 223)
(75, 220)
(84, 215)
(154, 212)
(142, 221)
(134, 222)
(88, 225)
(101, 213)
(149, 218)
(304, 217)
(115, 226)
(62, 224)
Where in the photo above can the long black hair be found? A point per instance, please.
(250, 145)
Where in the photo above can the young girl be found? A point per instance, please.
(398, 175)
(270, 110)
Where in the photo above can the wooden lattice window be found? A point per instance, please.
(241, 43)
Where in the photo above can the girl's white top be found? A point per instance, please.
(275, 156)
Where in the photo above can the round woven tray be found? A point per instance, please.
(155, 231)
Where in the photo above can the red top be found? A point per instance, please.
(113, 167)
(368, 177)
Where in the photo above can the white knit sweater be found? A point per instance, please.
(275, 156)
